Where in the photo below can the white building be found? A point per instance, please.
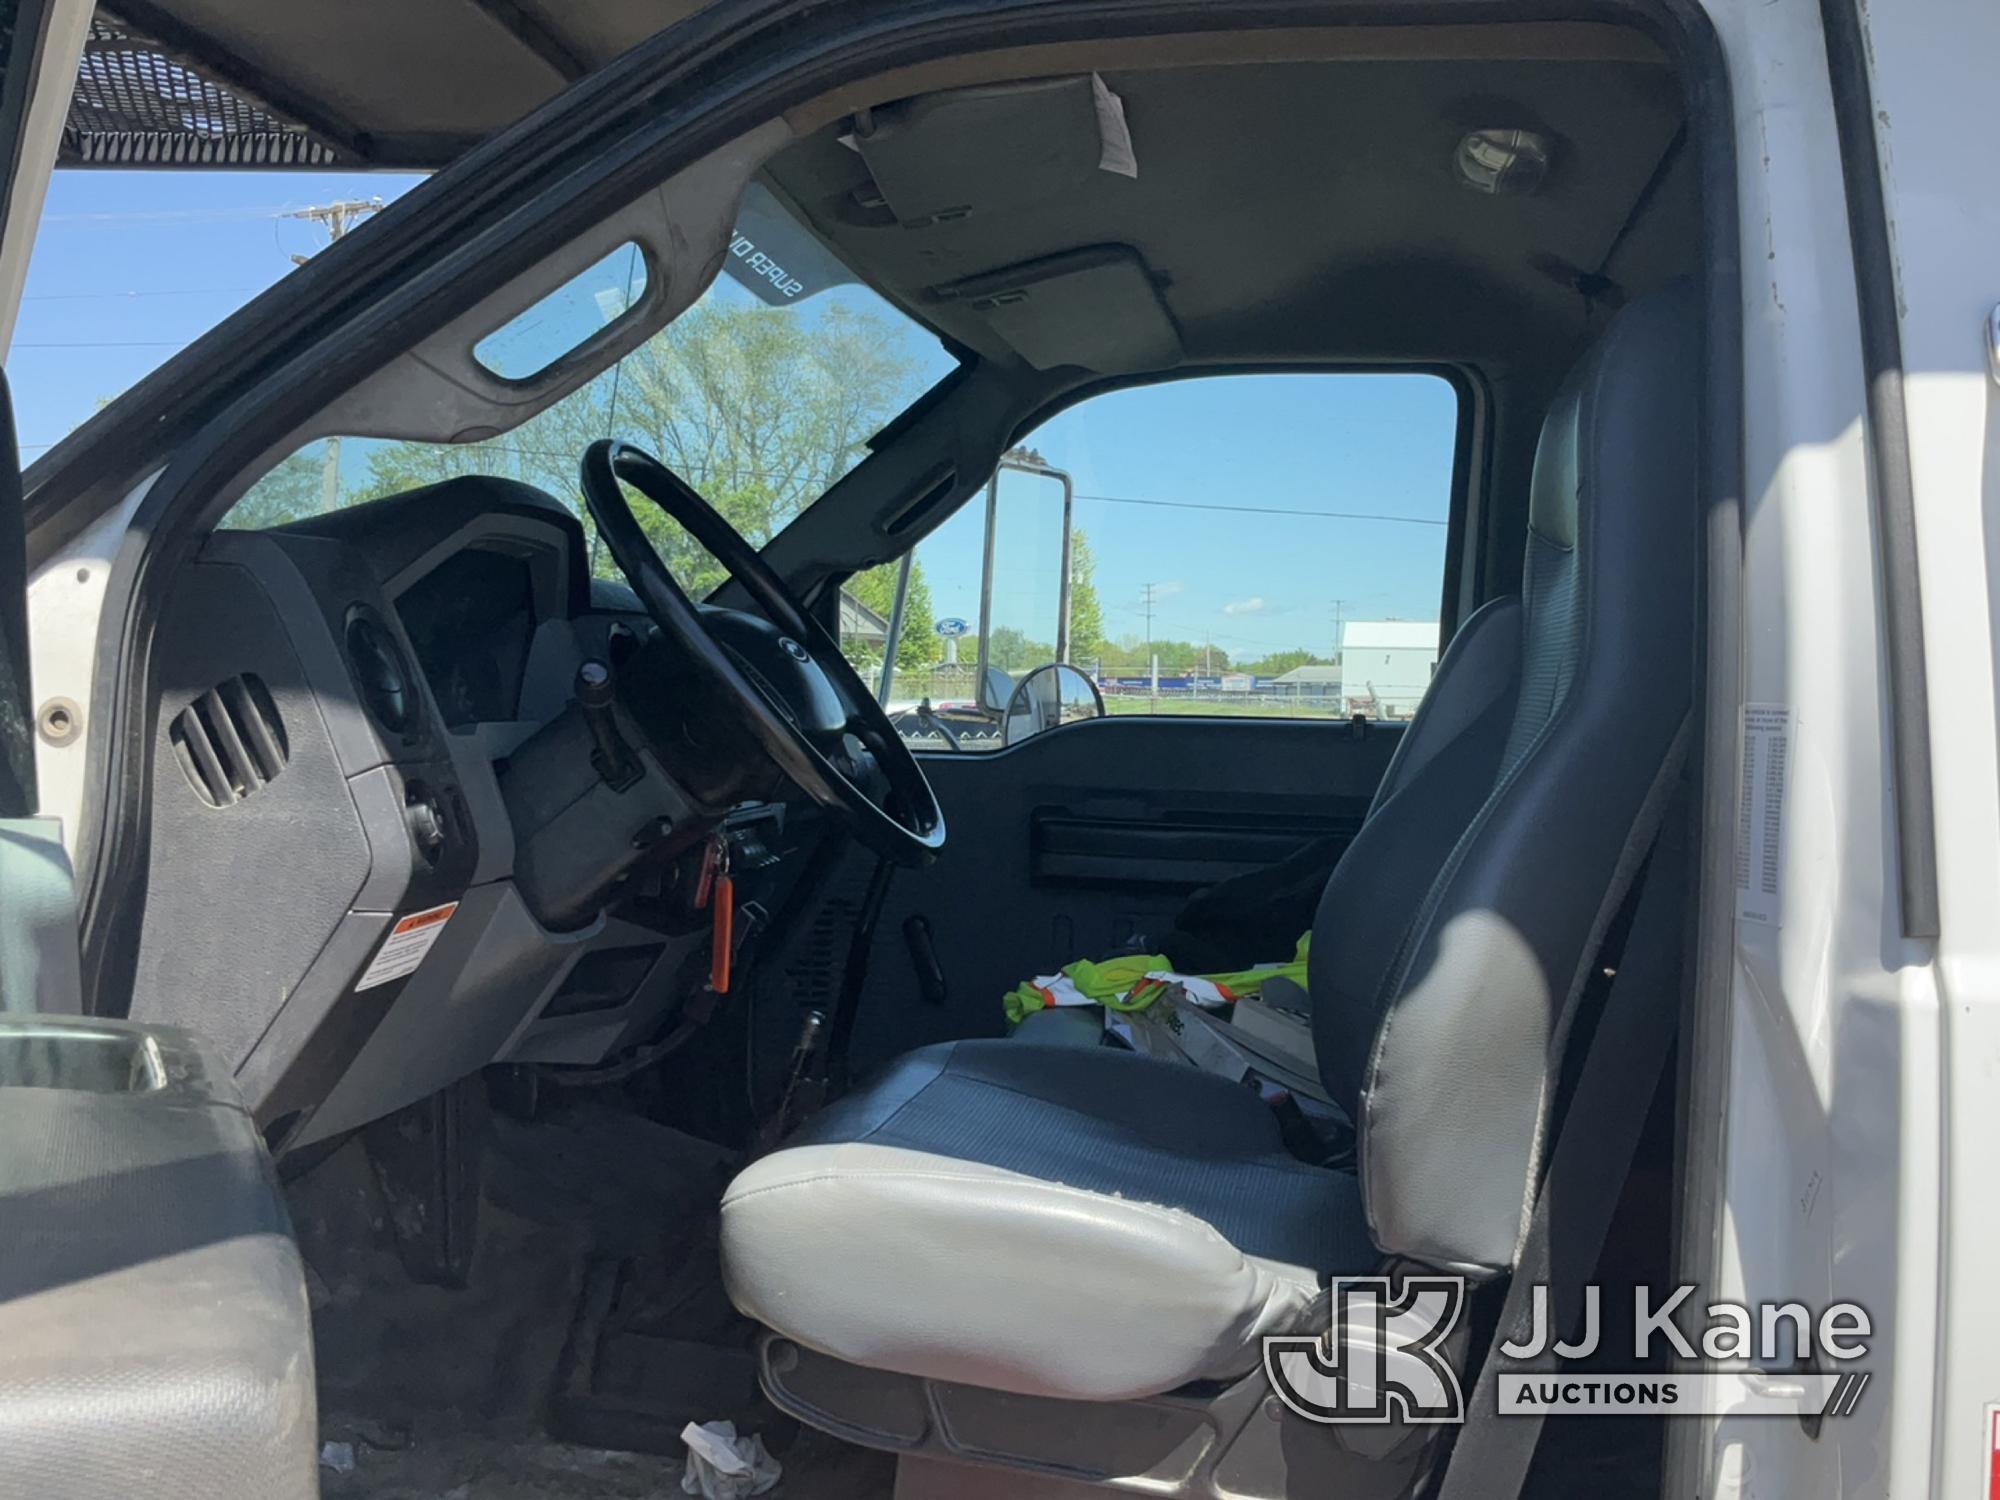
(1386, 665)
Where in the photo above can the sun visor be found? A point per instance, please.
(1097, 308)
(969, 151)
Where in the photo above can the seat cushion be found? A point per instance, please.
(1058, 1221)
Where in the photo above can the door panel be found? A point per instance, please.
(1244, 564)
(1149, 845)
(1077, 841)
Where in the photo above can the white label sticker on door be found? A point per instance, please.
(1760, 810)
(407, 943)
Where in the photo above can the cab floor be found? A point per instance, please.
(431, 1392)
(592, 1325)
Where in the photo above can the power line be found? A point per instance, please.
(1263, 510)
(108, 344)
(167, 215)
(193, 291)
(1228, 638)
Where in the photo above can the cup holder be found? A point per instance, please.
(81, 1059)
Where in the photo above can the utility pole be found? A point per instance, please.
(1339, 655)
(336, 219)
(1148, 590)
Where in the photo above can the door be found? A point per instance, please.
(1254, 570)
(154, 1336)
(38, 963)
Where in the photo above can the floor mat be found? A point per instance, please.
(443, 1462)
(647, 1347)
(593, 1309)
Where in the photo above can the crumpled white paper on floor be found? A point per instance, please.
(723, 1466)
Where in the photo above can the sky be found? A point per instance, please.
(130, 267)
(1259, 509)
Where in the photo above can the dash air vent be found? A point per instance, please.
(230, 741)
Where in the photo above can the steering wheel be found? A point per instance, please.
(812, 732)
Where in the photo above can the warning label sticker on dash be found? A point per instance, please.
(405, 946)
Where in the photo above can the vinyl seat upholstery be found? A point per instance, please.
(994, 1190)
(1084, 1223)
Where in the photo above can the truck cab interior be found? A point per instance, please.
(610, 953)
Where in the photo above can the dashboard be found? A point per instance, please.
(381, 854)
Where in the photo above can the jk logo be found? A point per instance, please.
(1382, 1359)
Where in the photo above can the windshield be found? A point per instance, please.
(760, 395)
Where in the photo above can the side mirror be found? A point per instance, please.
(1055, 694)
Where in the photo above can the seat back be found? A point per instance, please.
(1442, 998)
(1441, 773)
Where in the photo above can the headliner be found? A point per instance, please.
(1283, 208)
(1295, 198)
(1292, 210)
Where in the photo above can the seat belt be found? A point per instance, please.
(1586, 1174)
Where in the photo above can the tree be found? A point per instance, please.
(918, 647)
(1012, 650)
(1130, 655)
(1280, 662)
(759, 409)
(1086, 610)
(396, 468)
(290, 492)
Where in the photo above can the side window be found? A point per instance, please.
(1243, 545)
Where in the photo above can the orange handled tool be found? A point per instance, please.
(716, 891)
(722, 942)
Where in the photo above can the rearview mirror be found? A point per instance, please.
(1055, 694)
